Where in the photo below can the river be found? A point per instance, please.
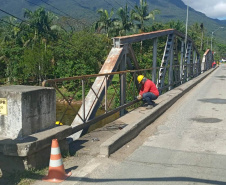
(70, 115)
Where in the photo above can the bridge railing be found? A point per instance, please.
(110, 105)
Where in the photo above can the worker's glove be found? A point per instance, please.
(139, 97)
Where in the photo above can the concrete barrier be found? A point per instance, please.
(32, 151)
(25, 110)
(27, 120)
(138, 119)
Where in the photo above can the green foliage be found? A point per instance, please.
(220, 52)
(37, 63)
(125, 21)
(141, 14)
(106, 22)
(39, 48)
(85, 56)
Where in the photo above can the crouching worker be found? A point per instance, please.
(148, 92)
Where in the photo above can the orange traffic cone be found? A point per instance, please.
(56, 168)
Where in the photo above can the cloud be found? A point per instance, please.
(213, 9)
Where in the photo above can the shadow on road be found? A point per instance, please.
(157, 179)
(213, 100)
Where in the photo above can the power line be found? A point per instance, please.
(117, 3)
(12, 15)
(43, 7)
(32, 32)
(56, 8)
(130, 3)
(29, 30)
(110, 4)
(62, 12)
(9, 23)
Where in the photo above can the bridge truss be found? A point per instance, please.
(115, 87)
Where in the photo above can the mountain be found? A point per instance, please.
(85, 10)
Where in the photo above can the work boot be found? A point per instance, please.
(144, 105)
(149, 107)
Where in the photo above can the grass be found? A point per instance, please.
(27, 177)
(23, 178)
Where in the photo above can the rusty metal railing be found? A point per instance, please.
(78, 87)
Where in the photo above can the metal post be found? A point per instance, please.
(198, 65)
(123, 84)
(134, 83)
(186, 34)
(212, 41)
(154, 65)
(106, 86)
(170, 82)
(212, 37)
(194, 64)
(83, 100)
(181, 60)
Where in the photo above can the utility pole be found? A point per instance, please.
(212, 37)
(202, 29)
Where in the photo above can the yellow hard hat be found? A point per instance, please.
(140, 78)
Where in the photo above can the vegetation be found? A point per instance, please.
(37, 49)
(40, 47)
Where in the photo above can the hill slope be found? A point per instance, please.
(86, 10)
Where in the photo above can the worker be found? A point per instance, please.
(213, 64)
(148, 92)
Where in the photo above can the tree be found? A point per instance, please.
(177, 25)
(125, 22)
(10, 53)
(41, 24)
(86, 57)
(195, 32)
(141, 14)
(105, 21)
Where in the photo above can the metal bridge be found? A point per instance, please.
(115, 87)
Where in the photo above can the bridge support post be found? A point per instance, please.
(154, 64)
(170, 82)
(194, 64)
(123, 84)
(181, 60)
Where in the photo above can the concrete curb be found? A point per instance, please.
(145, 117)
(33, 143)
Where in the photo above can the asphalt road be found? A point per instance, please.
(188, 147)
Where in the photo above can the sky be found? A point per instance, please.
(212, 8)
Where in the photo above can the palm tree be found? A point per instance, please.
(105, 21)
(10, 30)
(141, 14)
(177, 25)
(9, 38)
(40, 23)
(125, 22)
